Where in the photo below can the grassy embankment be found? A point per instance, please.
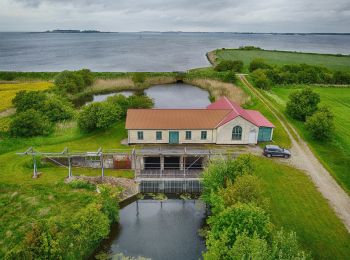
(330, 61)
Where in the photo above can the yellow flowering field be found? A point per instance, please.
(8, 91)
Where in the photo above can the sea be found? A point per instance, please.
(143, 51)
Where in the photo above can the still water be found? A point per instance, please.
(170, 96)
(143, 51)
(159, 230)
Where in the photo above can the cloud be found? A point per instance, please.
(187, 15)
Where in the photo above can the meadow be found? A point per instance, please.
(8, 91)
(330, 61)
(335, 153)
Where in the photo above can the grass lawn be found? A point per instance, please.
(295, 204)
(333, 62)
(24, 200)
(8, 91)
(335, 154)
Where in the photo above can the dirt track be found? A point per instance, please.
(302, 158)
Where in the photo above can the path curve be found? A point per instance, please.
(303, 158)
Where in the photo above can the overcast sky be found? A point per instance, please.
(177, 15)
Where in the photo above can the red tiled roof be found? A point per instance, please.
(215, 115)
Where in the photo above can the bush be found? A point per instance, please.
(249, 48)
(110, 198)
(258, 64)
(30, 123)
(320, 124)
(302, 103)
(57, 109)
(25, 100)
(134, 101)
(226, 65)
(138, 77)
(230, 77)
(99, 115)
(260, 79)
(246, 247)
(74, 81)
(341, 77)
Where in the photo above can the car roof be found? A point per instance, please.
(270, 146)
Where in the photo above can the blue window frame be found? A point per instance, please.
(237, 133)
(203, 135)
(159, 135)
(188, 135)
(140, 135)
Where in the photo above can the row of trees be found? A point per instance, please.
(264, 75)
(240, 226)
(37, 112)
(229, 65)
(102, 115)
(73, 237)
(303, 106)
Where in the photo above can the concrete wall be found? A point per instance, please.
(224, 132)
(149, 137)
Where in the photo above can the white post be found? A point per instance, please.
(35, 170)
(102, 167)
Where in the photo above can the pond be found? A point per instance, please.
(170, 96)
(159, 230)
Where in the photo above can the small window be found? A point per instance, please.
(237, 133)
(188, 135)
(159, 135)
(204, 135)
(140, 135)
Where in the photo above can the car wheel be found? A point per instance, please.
(286, 156)
(268, 155)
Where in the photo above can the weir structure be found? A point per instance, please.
(168, 169)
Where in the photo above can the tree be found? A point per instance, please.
(25, 100)
(133, 101)
(245, 189)
(302, 103)
(99, 115)
(341, 77)
(229, 65)
(30, 123)
(258, 64)
(260, 79)
(87, 77)
(320, 124)
(246, 247)
(57, 109)
(139, 77)
(74, 81)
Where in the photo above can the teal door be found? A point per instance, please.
(264, 134)
(173, 137)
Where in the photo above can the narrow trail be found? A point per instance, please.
(303, 158)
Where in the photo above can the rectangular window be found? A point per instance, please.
(203, 135)
(159, 135)
(140, 135)
(188, 135)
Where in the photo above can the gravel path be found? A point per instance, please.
(303, 158)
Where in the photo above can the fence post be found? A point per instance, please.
(102, 166)
(35, 170)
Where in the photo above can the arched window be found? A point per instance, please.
(237, 133)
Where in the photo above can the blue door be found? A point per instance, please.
(173, 137)
(264, 134)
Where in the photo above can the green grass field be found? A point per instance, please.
(295, 204)
(335, 154)
(333, 62)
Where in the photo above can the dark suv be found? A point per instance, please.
(274, 150)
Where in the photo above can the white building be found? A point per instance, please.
(222, 122)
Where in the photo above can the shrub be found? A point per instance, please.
(249, 48)
(226, 65)
(320, 124)
(110, 198)
(87, 77)
(57, 109)
(74, 81)
(341, 77)
(302, 103)
(258, 64)
(138, 77)
(99, 115)
(30, 123)
(246, 247)
(134, 101)
(25, 100)
(80, 184)
(260, 79)
(230, 77)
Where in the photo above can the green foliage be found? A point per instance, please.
(230, 77)
(139, 77)
(219, 172)
(302, 103)
(25, 100)
(99, 115)
(258, 64)
(286, 246)
(260, 79)
(30, 123)
(74, 81)
(249, 48)
(229, 65)
(341, 77)
(80, 184)
(245, 189)
(110, 198)
(57, 109)
(320, 124)
(246, 247)
(133, 101)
